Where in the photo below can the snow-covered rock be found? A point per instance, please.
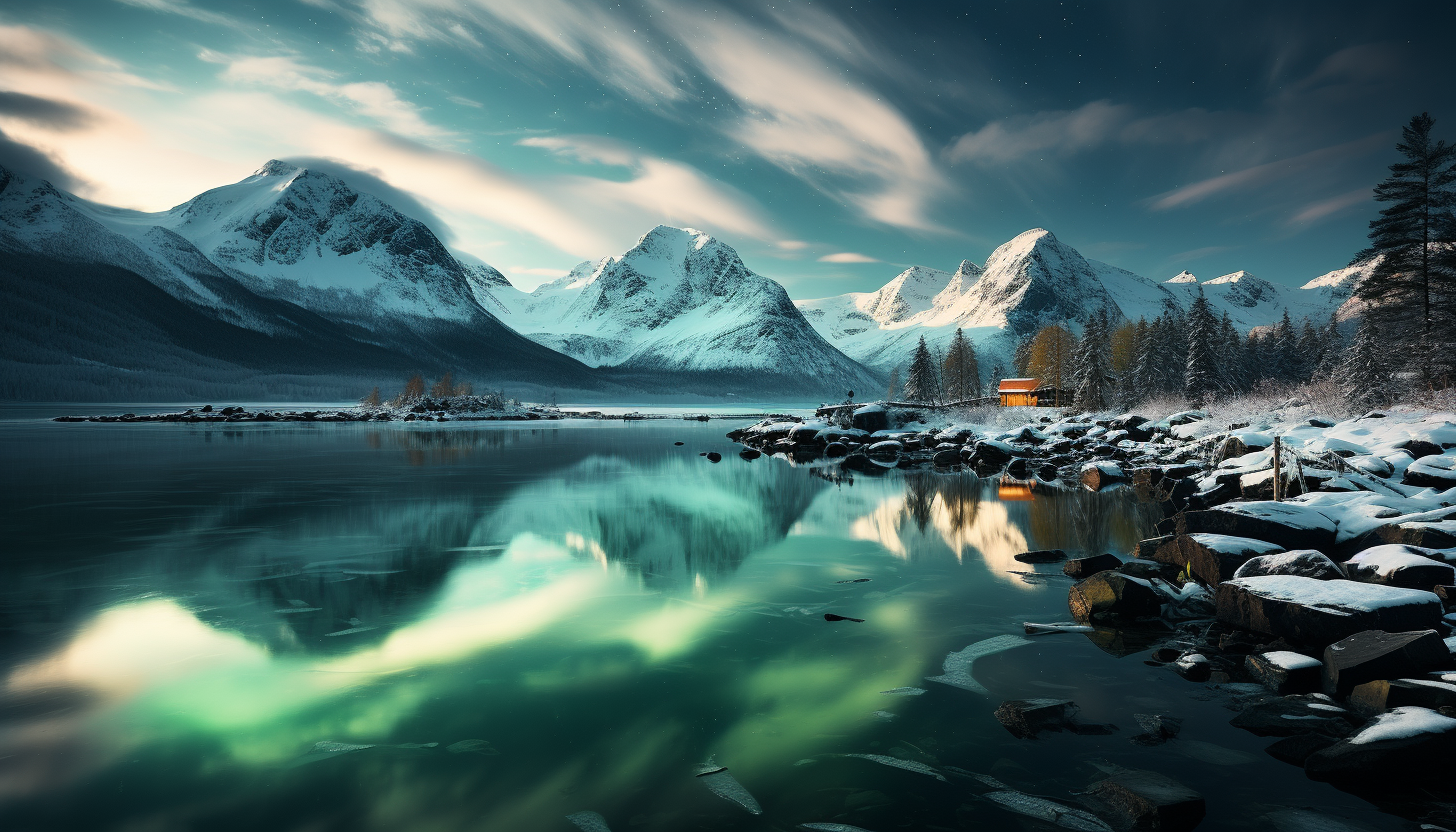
(1315, 612)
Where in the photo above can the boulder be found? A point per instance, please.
(1212, 558)
(1025, 718)
(1157, 728)
(750, 454)
(1145, 548)
(1438, 534)
(1385, 694)
(1376, 654)
(1087, 567)
(947, 457)
(994, 452)
(1195, 667)
(870, 418)
(888, 449)
(1406, 745)
(1433, 471)
(1146, 800)
(1099, 475)
(1231, 447)
(1149, 569)
(1284, 672)
(1306, 563)
(834, 450)
(1419, 448)
(1399, 565)
(1288, 525)
(1113, 594)
(1317, 613)
(714, 456)
(1041, 556)
(1288, 716)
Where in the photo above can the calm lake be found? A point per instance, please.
(490, 627)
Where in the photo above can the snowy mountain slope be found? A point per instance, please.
(1035, 279)
(378, 316)
(682, 302)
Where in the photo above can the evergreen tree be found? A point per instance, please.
(890, 395)
(1411, 284)
(1201, 371)
(1283, 350)
(1309, 350)
(961, 372)
(1334, 352)
(1090, 373)
(921, 383)
(1365, 374)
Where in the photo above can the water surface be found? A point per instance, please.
(523, 622)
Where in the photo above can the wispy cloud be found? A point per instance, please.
(1266, 174)
(375, 100)
(185, 9)
(1062, 132)
(1324, 208)
(795, 92)
(848, 257)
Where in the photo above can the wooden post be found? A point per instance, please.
(1278, 480)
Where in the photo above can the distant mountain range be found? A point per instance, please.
(290, 284)
(1034, 280)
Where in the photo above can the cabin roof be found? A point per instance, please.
(1018, 385)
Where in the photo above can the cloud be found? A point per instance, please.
(27, 160)
(847, 257)
(814, 122)
(791, 245)
(45, 112)
(42, 55)
(1094, 124)
(665, 190)
(183, 8)
(1261, 175)
(1321, 209)
(586, 35)
(372, 99)
(786, 101)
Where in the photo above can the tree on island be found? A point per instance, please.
(922, 384)
(1409, 290)
(962, 372)
(371, 400)
(1365, 376)
(414, 389)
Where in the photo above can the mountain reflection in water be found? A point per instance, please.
(188, 612)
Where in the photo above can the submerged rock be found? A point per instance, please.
(1041, 556)
(1113, 594)
(1087, 567)
(1025, 718)
(589, 822)
(1291, 715)
(1147, 800)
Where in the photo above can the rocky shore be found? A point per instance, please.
(1325, 618)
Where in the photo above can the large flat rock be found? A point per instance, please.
(1318, 613)
(1288, 525)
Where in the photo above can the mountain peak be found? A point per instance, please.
(274, 167)
(1232, 277)
(1184, 276)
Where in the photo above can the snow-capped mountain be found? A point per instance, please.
(681, 302)
(1034, 280)
(286, 272)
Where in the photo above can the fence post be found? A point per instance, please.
(1278, 480)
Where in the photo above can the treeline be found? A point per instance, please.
(1115, 363)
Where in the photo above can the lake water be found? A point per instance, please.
(572, 616)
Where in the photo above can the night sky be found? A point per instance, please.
(832, 144)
